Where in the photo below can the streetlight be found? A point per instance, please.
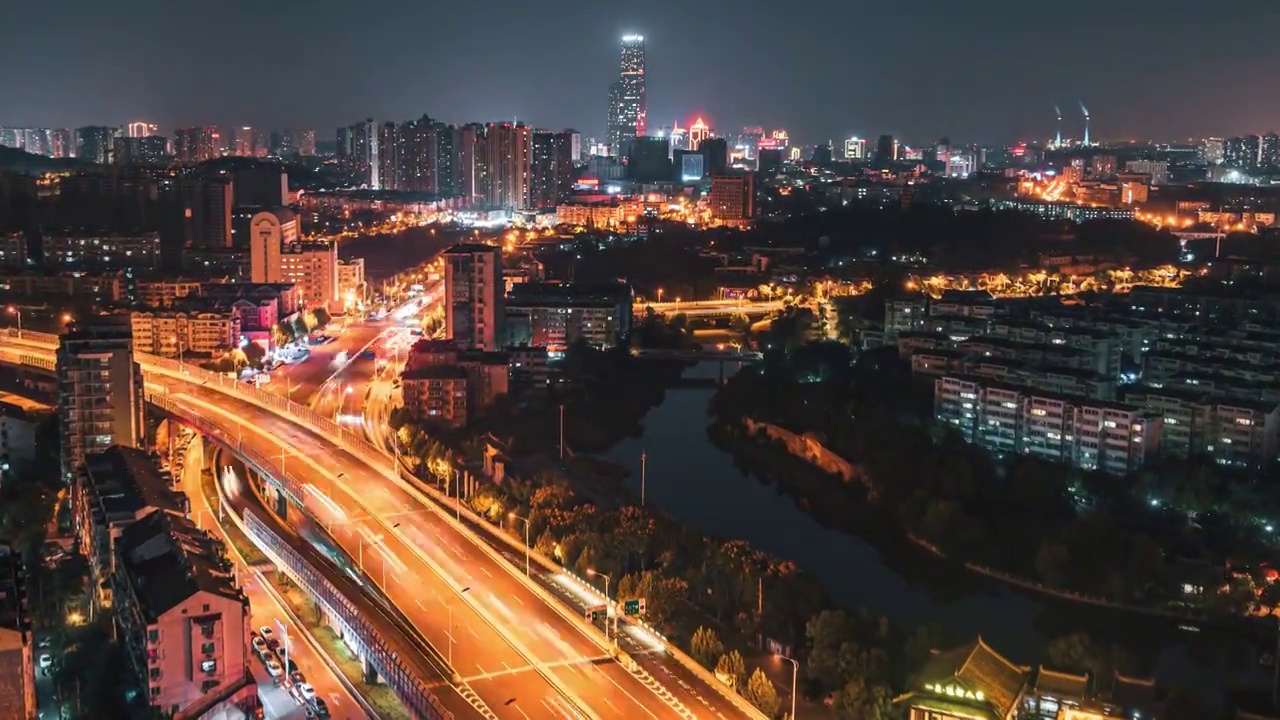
(795, 673)
(449, 604)
(15, 310)
(592, 572)
(514, 516)
(659, 296)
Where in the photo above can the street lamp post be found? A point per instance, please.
(15, 310)
(795, 673)
(526, 541)
(607, 600)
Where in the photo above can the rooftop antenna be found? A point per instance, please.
(1057, 140)
(1085, 110)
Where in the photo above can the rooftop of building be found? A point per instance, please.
(531, 292)
(1032, 392)
(967, 296)
(127, 481)
(431, 346)
(471, 248)
(435, 372)
(1059, 684)
(17, 406)
(167, 559)
(283, 214)
(976, 668)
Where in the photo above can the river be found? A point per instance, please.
(692, 480)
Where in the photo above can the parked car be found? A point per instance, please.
(274, 669)
(296, 677)
(322, 708)
(306, 691)
(259, 644)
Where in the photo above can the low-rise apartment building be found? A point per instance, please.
(1080, 432)
(1233, 430)
(163, 293)
(174, 332)
(183, 622)
(437, 393)
(556, 315)
(114, 489)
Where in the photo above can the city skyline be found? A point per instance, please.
(993, 75)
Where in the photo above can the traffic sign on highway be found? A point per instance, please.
(633, 607)
(599, 612)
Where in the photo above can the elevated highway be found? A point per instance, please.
(520, 650)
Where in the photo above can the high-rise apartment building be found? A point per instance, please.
(448, 184)
(551, 169)
(362, 155)
(304, 142)
(100, 396)
(146, 150)
(627, 107)
(94, 143)
(1269, 150)
(417, 156)
(732, 198)
(508, 156)
(389, 150)
(886, 150)
(855, 148)
(474, 292)
(245, 142)
(469, 147)
(203, 209)
(62, 143)
(196, 144)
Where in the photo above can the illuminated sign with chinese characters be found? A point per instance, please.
(955, 691)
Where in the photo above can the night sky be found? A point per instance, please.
(982, 70)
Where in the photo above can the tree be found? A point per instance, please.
(731, 668)
(705, 646)
(761, 693)
(321, 315)
(827, 632)
(739, 322)
(859, 700)
(1078, 652)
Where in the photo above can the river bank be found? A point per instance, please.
(833, 488)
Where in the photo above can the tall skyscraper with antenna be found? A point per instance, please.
(1057, 139)
(627, 108)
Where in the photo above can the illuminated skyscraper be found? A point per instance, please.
(627, 108)
(698, 132)
(142, 129)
